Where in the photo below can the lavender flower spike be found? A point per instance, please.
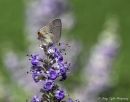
(49, 69)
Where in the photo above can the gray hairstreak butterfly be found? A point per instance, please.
(51, 33)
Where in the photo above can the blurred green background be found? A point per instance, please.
(90, 17)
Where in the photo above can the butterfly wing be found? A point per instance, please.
(55, 28)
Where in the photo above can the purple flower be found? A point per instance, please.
(58, 56)
(35, 99)
(62, 68)
(52, 74)
(48, 85)
(35, 60)
(36, 75)
(59, 94)
(56, 53)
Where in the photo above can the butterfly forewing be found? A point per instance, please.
(55, 28)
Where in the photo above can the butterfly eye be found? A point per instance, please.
(38, 33)
(39, 36)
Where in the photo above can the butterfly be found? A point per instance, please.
(51, 33)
